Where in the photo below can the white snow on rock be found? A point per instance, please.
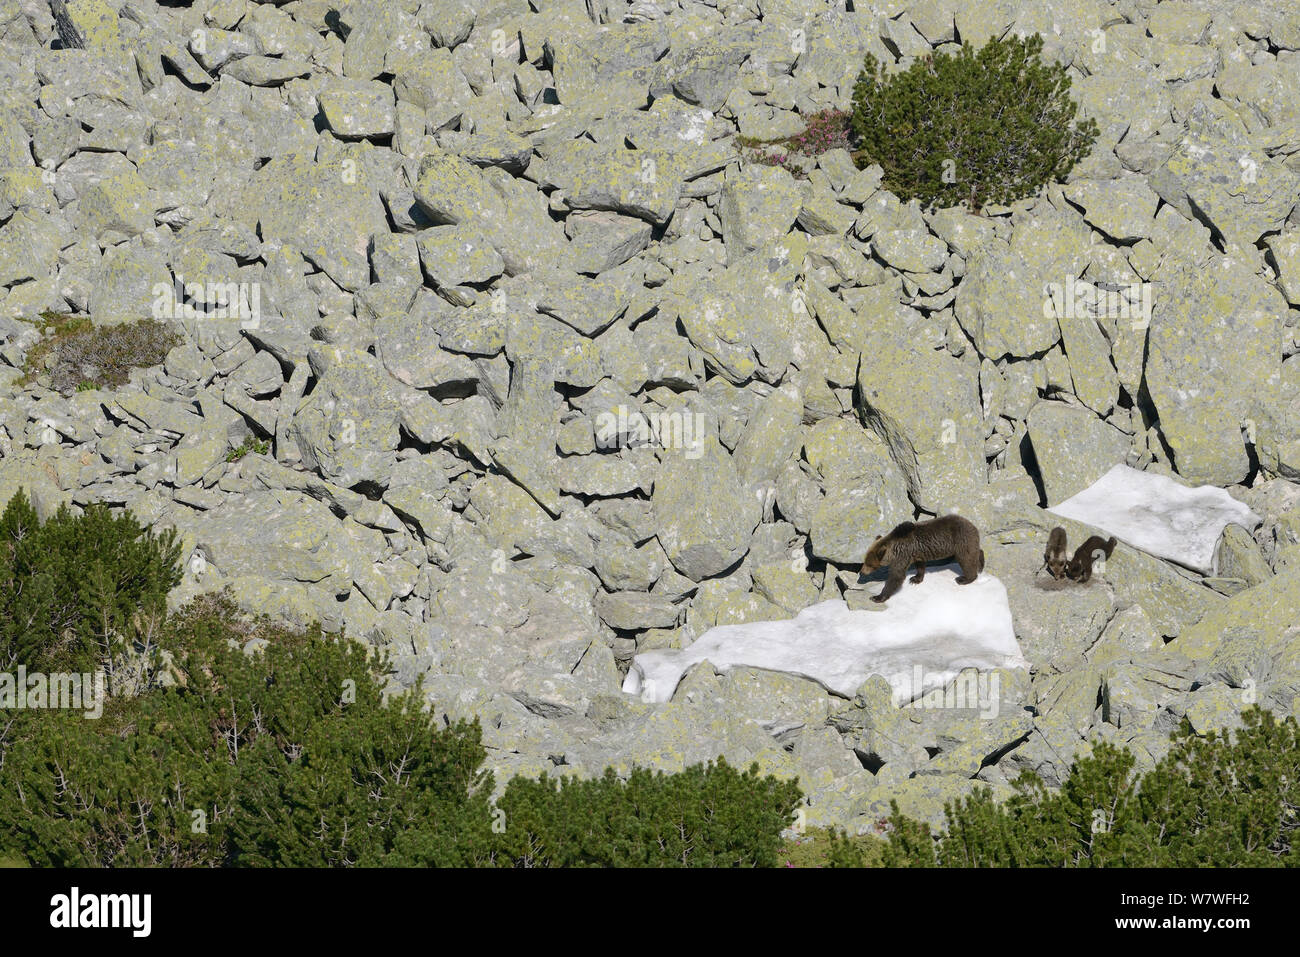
(919, 640)
(1158, 515)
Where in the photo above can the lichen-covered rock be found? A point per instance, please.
(119, 205)
(922, 798)
(257, 70)
(1171, 600)
(759, 205)
(527, 428)
(738, 715)
(603, 240)
(427, 508)
(1000, 305)
(607, 66)
(1093, 377)
(1241, 193)
(1214, 366)
(1240, 563)
(380, 37)
(1285, 250)
(458, 256)
(936, 445)
(273, 535)
(1073, 448)
(750, 320)
(433, 82)
(1280, 443)
(359, 108)
(1123, 209)
(29, 242)
(865, 492)
(704, 515)
(588, 305)
(346, 429)
(704, 72)
(1262, 615)
(633, 611)
(821, 214)
(504, 514)
(644, 184)
(326, 209)
(911, 250)
(449, 22)
(127, 284)
(451, 190)
(771, 436)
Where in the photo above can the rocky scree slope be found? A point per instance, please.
(486, 245)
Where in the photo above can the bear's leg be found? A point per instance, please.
(893, 583)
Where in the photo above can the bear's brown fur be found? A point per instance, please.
(1080, 566)
(915, 543)
(1055, 559)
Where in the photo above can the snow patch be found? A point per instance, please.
(1159, 516)
(919, 640)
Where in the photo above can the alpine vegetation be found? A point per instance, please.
(992, 125)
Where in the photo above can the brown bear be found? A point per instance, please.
(1080, 566)
(949, 536)
(1055, 558)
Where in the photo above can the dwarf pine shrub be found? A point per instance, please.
(705, 816)
(974, 127)
(286, 756)
(1229, 799)
(75, 588)
(289, 754)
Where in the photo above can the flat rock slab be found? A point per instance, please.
(1159, 515)
(919, 640)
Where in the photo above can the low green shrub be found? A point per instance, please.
(76, 588)
(256, 446)
(705, 816)
(271, 747)
(287, 755)
(1229, 799)
(975, 127)
(829, 847)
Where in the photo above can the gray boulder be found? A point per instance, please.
(704, 514)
